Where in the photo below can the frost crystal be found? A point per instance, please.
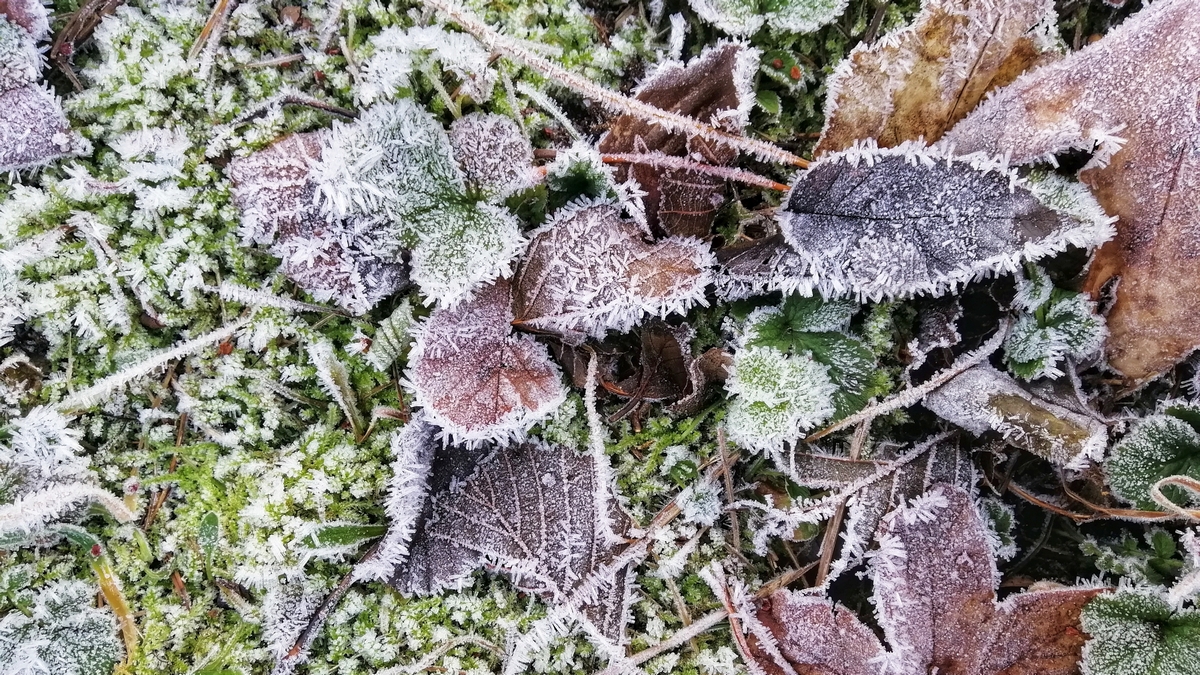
(1137, 632)
(779, 397)
(476, 379)
(1160, 445)
(588, 271)
(908, 220)
(64, 634)
(28, 14)
(745, 17)
(984, 399)
(401, 52)
(1055, 325)
(493, 152)
(39, 450)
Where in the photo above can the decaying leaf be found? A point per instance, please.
(937, 330)
(588, 271)
(28, 14)
(935, 598)
(984, 399)
(716, 88)
(529, 511)
(476, 379)
(493, 152)
(1145, 136)
(917, 82)
(875, 223)
(760, 266)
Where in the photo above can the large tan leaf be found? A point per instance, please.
(1141, 84)
(920, 80)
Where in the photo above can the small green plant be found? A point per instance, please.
(1161, 445)
(1138, 632)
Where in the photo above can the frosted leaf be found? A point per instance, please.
(40, 449)
(392, 337)
(271, 187)
(937, 329)
(1033, 289)
(984, 399)
(918, 81)
(1065, 325)
(462, 245)
(493, 152)
(65, 634)
(1145, 168)
(33, 129)
(588, 271)
(530, 512)
(745, 17)
(779, 397)
(1161, 445)
(19, 57)
(758, 267)
(1137, 631)
(910, 220)
(716, 88)
(934, 592)
(476, 379)
(28, 14)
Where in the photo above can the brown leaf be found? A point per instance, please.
(715, 88)
(921, 80)
(934, 578)
(758, 266)
(1139, 83)
(476, 379)
(588, 271)
(28, 14)
(33, 129)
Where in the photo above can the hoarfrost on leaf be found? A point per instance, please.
(1160, 445)
(745, 17)
(1138, 632)
(477, 380)
(399, 52)
(493, 153)
(779, 397)
(1056, 324)
(885, 223)
(63, 634)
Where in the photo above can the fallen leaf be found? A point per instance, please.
(918, 81)
(493, 153)
(935, 597)
(1145, 134)
(476, 379)
(28, 14)
(714, 88)
(875, 223)
(537, 513)
(588, 271)
(759, 266)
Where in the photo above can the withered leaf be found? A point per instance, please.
(33, 129)
(715, 88)
(934, 591)
(476, 379)
(531, 512)
(920, 80)
(28, 14)
(984, 399)
(662, 367)
(758, 266)
(1130, 97)
(588, 271)
(908, 220)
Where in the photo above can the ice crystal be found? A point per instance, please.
(1160, 445)
(935, 598)
(588, 271)
(875, 223)
(40, 449)
(63, 634)
(19, 58)
(400, 52)
(493, 152)
(1056, 324)
(984, 399)
(1137, 631)
(779, 397)
(28, 14)
(745, 17)
(392, 338)
(477, 380)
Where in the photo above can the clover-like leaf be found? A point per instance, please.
(908, 220)
(1161, 445)
(588, 271)
(1136, 631)
(1145, 169)
(715, 87)
(984, 399)
(476, 379)
(922, 79)
(935, 596)
(538, 513)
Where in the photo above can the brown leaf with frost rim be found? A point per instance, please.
(935, 597)
(714, 88)
(1140, 84)
(920, 80)
(588, 271)
(476, 379)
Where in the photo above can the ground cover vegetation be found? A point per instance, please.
(830, 337)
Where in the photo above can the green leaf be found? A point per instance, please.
(850, 364)
(343, 535)
(1139, 633)
(799, 314)
(209, 535)
(769, 101)
(1159, 446)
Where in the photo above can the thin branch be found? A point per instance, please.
(661, 160)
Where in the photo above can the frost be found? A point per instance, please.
(401, 52)
(779, 397)
(745, 17)
(39, 450)
(588, 271)
(19, 57)
(1161, 445)
(875, 223)
(28, 14)
(984, 399)
(1136, 631)
(63, 634)
(934, 579)
(392, 338)
(494, 154)
(476, 379)
(760, 266)
(1055, 325)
